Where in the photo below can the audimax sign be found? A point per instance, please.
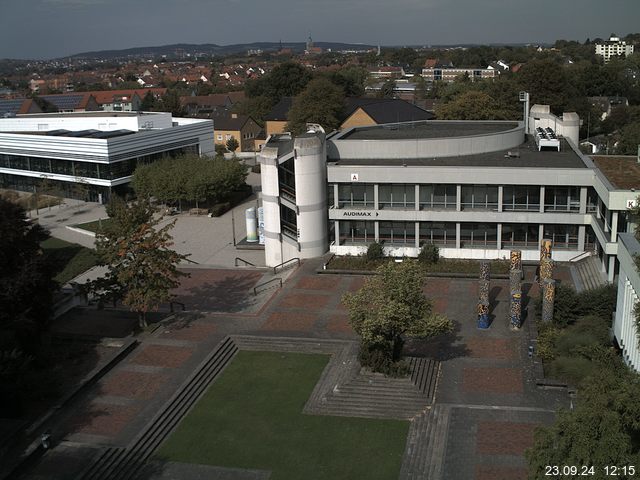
(359, 213)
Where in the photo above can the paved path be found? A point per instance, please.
(486, 404)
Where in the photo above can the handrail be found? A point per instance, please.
(277, 279)
(243, 261)
(296, 259)
(191, 261)
(585, 254)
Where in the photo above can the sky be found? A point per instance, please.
(43, 29)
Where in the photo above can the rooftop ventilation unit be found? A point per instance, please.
(546, 138)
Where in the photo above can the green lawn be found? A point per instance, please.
(93, 226)
(68, 259)
(252, 418)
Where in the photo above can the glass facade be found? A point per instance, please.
(563, 236)
(357, 233)
(480, 235)
(397, 233)
(521, 198)
(397, 196)
(438, 233)
(438, 197)
(524, 235)
(562, 199)
(75, 168)
(355, 195)
(479, 197)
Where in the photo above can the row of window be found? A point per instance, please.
(471, 234)
(480, 197)
(109, 171)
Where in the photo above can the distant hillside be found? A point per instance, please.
(211, 49)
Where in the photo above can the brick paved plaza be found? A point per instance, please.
(486, 381)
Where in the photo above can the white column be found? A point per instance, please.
(541, 202)
(581, 237)
(614, 226)
(500, 196)
(458, 198)
(583, 200)
(375, 203)
(458, 235)
(417, 195)
(417, 224)
(499, 235)
(612, 268)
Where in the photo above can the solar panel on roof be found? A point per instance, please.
(68, 102)
(82, 133)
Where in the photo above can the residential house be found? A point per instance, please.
(73, 102)
(241, 127)
(276, 120)
(362, 112)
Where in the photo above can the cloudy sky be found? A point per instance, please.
(55, 28)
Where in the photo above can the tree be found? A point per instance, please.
(26, 285)
(387, 89)
(471, 105)
(629, 140)
(390, 306)
(142, 268)
(287, 79)
(321, 102)
(149, 103)
(170, 102)
(232, 144)
(602, 430)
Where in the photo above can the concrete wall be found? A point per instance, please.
(311, 194)
(426, 147)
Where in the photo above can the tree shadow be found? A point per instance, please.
(230, 294)
(443, 347)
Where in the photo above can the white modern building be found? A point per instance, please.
(96, 149)
(613, 47)
(625, 328)
(477, 189)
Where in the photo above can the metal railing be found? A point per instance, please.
(282, 265)
(273, 280)
(585, 254)
(238, 259)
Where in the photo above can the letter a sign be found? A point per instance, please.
(354, 177)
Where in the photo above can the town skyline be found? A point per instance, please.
(67, 27)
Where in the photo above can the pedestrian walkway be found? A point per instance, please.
(476, 425)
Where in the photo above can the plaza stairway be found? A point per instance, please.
(116, 463)
(372, 395)
(587, 273)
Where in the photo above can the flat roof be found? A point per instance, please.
(623, 172)
(524, 156)
(97, 113)
(426, 129)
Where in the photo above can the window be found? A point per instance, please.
(562, 199)
(288, 222)
(562, 236)
(397, 233)
(520, 235)
(220, 137)
(357, 233)
(479, 235)
(355, 195)
(479, 197)
(521, 197)
(396, 196)
(438, 197)
(227, 136)
(438, 233)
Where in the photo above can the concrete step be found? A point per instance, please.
(125, 464)
(438, 442)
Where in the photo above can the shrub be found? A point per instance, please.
(429, 254)
(375, 251)
(380, 361)
(571, 369)
(256, 168)
(220, 209)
